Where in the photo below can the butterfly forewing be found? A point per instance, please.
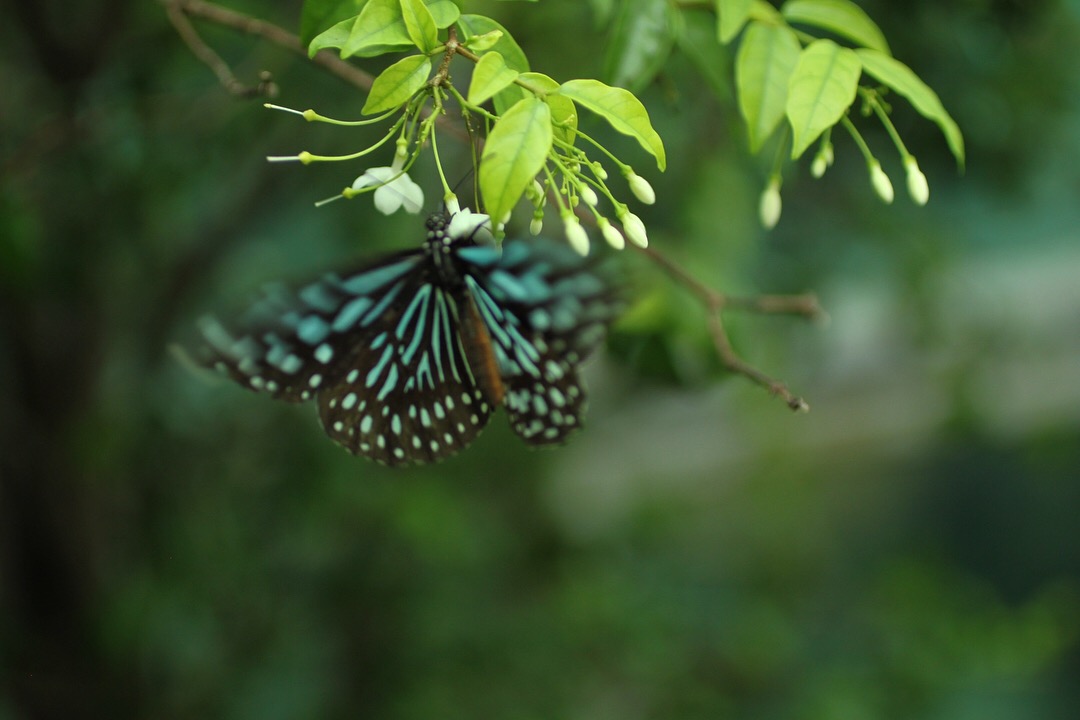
(289, 344)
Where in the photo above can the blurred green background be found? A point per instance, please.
(172, 547)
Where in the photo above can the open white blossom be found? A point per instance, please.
(395, 189)
(466, 223)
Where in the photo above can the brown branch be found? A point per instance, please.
(715, 302)
(181, 9)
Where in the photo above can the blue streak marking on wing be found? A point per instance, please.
(406, 317)
(350, 314)
(312, 330)
(436, 337)
(379, 309)
(479, 255)
(375, 372)
(421, 321)
(319, 296)
(390, 384)
(367, 282)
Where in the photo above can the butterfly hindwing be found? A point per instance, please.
(545, 309)
(410, 395)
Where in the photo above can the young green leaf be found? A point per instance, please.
(822, 88)
(420, 25)
(640, 43)
(336, 37)
(472, 25)
(397, 83)
(763, 67)
(902, 80)
(378, 29)
(731, 16)
(563, 111)
(620, 108)
(842, 17)
(489, 77)
(515, 151)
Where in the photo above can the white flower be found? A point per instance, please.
(770, 205)
(576, 235)
(882, 185)
(634, 228)
(536, 225)
(641, 188)
(395, 188)
(917, 186)
(611, 233)
(466, 223)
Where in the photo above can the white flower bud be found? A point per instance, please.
(599, 171)
(588, 196)
(770, 205)
(536, 226)
(641, 188)
(634, 228)
(882, 185)
(611, 233)
(917, 186)
(576, 235)
(819, 166)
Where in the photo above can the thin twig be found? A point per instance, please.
(805, 305)
(715, 302)
(247, 24)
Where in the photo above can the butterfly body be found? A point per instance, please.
(408, 357)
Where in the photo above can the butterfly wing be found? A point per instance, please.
(378, 347)
(546, 308)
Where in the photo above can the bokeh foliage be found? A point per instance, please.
(171, 547)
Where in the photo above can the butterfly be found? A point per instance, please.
(408, 356)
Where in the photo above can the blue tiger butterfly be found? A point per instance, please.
(408, 356)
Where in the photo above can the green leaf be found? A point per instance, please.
(564, 116)
(842, 17)
(901, 79)
(445, 12)
(620, 108)
(379, 28)
(472, 25)
(640, 43)
(420, 25)
(335, 37)
(318, 15)
(515, 151)
(822, 88)
(489, 77)
(763, 68)
(764, 12)
(731, 16)
(397, 83)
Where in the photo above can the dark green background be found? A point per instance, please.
(172, 547)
